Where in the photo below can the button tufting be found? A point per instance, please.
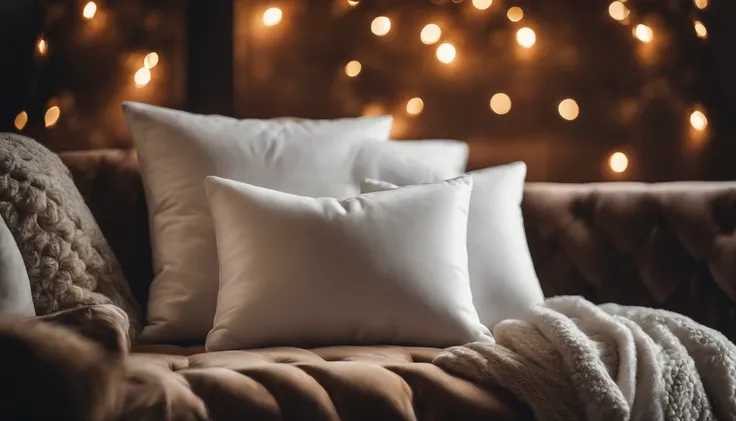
(583, 209)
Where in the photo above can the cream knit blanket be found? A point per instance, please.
(572, 360)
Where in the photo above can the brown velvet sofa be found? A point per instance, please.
(664, 245)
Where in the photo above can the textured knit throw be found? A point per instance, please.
(572, 360)
(68, 260)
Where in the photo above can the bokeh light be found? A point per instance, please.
(618, 10)
(446, 53)
(701, 4)
(353, 2)
(568, 109)
(142, 77)
(381, 26)
(21, 120)
(618, 162)
(515, 14)
(414, 106)
(698, 120)
(42, 46)
(272, 16)
(482, 4)
(700, 29)
(353, 68)
(52, 116)
(526, 37)
(430, 34)
(644, 33)
(89, 11)
(500, 103)
(150, 61)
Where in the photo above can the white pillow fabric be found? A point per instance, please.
(177, 150)
(380, 268)
(502, 276)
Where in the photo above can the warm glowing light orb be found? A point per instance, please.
(701, 4)
(446, 53)
(150, 61)
(353, 68)
(698, 120)
(142, 77)
(618, 10)
(515, 14)
(526, 37)
(353, 2)
(700, 29)
(272, 16)
(431, 33)
(500, 103)
(644, 33)
(21, 120)
(381, 25)
(89, 11)
(568, 109)
(482, 4)
(52, 116)
(618, 162)
(414, 106)
(42, 46)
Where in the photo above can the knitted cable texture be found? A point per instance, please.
(68, 260)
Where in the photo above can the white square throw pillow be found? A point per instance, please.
(502, 276)
(380, 268)
(318, 158)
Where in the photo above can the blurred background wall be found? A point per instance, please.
(577, 89)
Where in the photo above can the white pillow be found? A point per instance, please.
(380, 268)
(177, 150)
(502, 275)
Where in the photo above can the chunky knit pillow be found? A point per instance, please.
(68, 260)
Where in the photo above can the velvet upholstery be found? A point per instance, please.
(669, 245)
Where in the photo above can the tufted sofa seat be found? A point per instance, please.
(332, 383)
(670, 245)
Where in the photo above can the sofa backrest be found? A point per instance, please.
(668, 245)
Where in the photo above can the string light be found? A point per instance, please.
(89, 11)
(42, 46)
(700, 29)
(353, 2)
(353, 68)
(446, 53)
(644, 33)
(482, 4)
(150, 61)
(272, 16)
(381, 25)
(526, 37)
(414, 106)
(618, 10)
(618, 162)
(515, 14)
(698, 120)
(142, 77)
(500, 103)
(52, 116)
(701, 4)
(21, 120)
(568, 109)
(431, 33)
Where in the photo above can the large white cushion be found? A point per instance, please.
(177, 150)
(502, 275)
(381, 268)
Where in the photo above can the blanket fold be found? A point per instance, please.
(570, 359)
